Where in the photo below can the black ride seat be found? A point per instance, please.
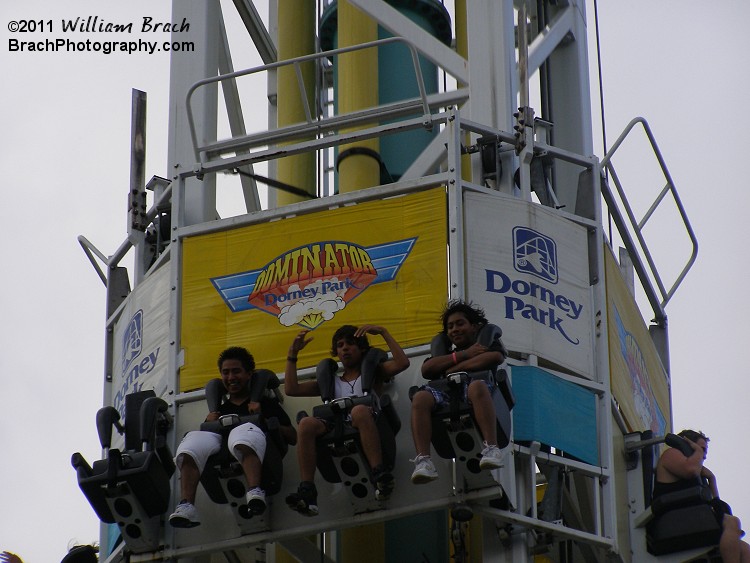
(683, 519)
(223, 478)
(455, 434)
(132, 487)
(340, 457)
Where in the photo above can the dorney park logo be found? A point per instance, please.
(309, 284)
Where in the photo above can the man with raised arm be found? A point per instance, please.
(349, 344)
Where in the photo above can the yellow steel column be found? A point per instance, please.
(462, 39)
(357, 89)
(462, 48)
(363, 544)
(296, 38)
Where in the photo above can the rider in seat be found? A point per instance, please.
(462, 323)
(676, 471)
(247, 442)
(349, 345)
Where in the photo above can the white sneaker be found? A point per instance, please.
(256, 500)
(185, 515)
(425, 471)
(492, 457)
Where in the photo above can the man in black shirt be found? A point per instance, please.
(247, 442)
(676, 471)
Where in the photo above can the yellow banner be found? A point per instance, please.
(380, 262)
(639, 381)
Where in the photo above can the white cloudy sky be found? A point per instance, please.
(65, 159)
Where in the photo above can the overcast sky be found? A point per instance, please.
(65, 160)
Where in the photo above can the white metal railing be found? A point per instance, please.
(660, 295)
(317, 124)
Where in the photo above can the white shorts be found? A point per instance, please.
(200, 445)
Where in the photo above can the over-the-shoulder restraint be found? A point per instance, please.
(325, 372)
(489, 335)
(260, 381)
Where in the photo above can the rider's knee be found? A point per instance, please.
(423, 400)
(478, 390)
(360, 414)
(308, 428)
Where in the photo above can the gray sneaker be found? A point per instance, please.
(425, 471)
(185, 515)
(305, 500)
(384, 483)
(492, 457)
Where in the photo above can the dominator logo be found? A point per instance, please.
(132, 340)
(309, 284)
(535, 254)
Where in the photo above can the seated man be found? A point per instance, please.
(350, 345)
(247, 442)
(675, 472)
(461, 324)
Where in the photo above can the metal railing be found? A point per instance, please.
(639, 252)
(318, 125)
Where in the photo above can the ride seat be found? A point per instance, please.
(131, 488)
(340, 456)
(680, 520)
(223, 478)
(455, 434)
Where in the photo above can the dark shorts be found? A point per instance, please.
(441, 397)
(330, 423)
